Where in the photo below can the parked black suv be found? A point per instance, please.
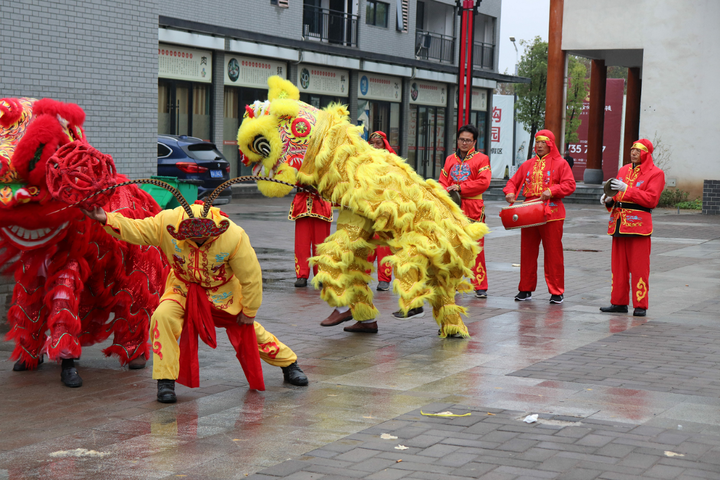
(192, 158)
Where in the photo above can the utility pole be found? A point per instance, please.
(514, 153)
(467, 9)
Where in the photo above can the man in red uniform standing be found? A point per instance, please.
(467, 172)
(639, 185)
(547, 177)
(313, 217)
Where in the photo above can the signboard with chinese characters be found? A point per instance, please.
(428, 93)
(251, 71)
(379, 87)
(501, 135)
(614, 89)
(322, 80)
(479, 100)
(183, 63)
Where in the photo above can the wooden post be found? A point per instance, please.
(632, 112)
(596, 122)
(556, 72)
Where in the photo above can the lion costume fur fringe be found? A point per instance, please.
(433, 244)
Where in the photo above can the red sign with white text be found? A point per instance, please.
(611, 133)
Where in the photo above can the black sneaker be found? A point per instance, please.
(480, 293)
(383, 286)
(69, 374)
(294, 376)
(166, 391)
(556, 299)
(301, 282)
(412, 313)
(639, 312)
(523, 296)
(615, 309)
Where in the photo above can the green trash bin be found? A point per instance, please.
(188, 188)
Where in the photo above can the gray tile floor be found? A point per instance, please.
(112, 427)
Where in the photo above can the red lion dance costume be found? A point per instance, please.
(72, 279)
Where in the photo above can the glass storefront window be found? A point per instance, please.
(321, 101)
(201, 112)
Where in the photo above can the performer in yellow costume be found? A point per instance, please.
(433, 244)
(216, 256)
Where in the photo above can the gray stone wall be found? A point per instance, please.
(711, 197)
(99, 54)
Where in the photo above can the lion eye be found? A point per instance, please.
(261, 146)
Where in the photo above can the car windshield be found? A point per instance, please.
(204, 152)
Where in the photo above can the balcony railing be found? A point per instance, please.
(434, 46)
(484, 55)
(330, 26)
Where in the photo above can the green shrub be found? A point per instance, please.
(691, 205)
(670, 198)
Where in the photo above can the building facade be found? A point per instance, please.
(186, 67)
(672, 51)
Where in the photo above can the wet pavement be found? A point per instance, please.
(618, 396)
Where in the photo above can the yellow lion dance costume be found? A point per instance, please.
(433, 244)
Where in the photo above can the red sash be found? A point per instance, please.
(200, 320)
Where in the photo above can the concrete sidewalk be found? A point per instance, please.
(614, 393)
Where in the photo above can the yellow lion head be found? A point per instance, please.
(274, 136)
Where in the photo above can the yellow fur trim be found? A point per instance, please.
(281, 88)
(284, 108)
(286, 174)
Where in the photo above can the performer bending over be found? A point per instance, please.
(639, 184)
(215, 281)
(547, 177)
(467, 171)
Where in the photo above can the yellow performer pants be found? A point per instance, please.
(165, 329)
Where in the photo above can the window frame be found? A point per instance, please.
(374, 21)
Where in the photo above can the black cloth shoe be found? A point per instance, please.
(69, 374)
(21, 366)
(615, 309)
(383, 286)
(557, 299)
(301, 282)
(412, 313)
(639, 312)
(166, 391)
(480, 293)
(137, 363)
(523, 296)
(294, 375)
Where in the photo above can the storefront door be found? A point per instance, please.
(184, 109)
(426, 145)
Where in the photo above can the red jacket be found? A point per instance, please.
(537, 175)
(473, 175)
(645, 183)
(306, 204)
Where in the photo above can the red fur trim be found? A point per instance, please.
(69, 111)
(44, 130)
(66, 344)
(11, 111)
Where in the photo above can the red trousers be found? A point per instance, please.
(479, 280)
(384, 269)
(309, 233)
(551, 236)
(630, 256)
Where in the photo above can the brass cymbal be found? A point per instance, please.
(455, 195)
(609, 191)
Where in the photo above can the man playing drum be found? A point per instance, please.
(546, 177)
